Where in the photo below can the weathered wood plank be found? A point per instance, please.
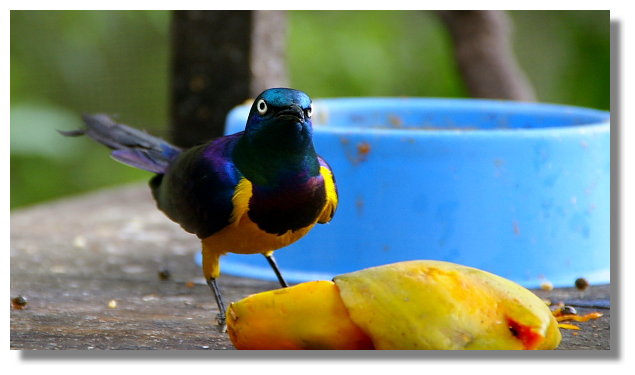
(72, 257)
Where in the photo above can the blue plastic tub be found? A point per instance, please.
(517, 189)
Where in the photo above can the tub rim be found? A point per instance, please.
(595, 120)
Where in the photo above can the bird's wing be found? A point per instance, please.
(331, 192)
(197, 191)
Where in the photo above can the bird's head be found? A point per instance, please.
(280, 118)
(278, 138)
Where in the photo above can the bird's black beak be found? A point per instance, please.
(293, 113)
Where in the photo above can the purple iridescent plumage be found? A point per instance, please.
(291, 204)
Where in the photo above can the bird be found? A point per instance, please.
(252, 192)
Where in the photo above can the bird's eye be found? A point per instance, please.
(309, 112)
(261, 107)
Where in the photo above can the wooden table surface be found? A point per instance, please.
(88, 267)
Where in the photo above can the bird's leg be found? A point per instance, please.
(211, 271)
(274, 266)
(222, 325)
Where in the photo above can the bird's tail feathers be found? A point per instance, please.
(130, 146)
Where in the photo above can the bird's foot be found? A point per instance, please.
(221, 322)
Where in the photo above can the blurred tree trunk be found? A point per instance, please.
(484, 54)
(220, 59)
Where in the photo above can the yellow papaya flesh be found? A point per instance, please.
(305, 316)
(441, 305)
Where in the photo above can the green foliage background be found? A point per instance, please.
(64, 63)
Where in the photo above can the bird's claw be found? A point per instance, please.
(221, 322)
